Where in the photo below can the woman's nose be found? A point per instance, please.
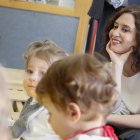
(116, 32)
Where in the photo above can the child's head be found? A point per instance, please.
(77, 91)
(38, 57)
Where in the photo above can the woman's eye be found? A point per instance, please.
(125, 30)
(115, 27)
(29, 71)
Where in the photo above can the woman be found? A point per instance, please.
(122, 36)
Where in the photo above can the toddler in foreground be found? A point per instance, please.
(79, 93)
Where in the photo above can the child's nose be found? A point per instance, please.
(34, 77)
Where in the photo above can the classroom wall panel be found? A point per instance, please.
(20, 27)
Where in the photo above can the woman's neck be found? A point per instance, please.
(127, 69)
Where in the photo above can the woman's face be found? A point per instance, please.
(123, 34)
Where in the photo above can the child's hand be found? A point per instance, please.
(117, 58)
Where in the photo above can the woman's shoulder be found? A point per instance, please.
(133, 77)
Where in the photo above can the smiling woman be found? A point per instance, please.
(122, 36)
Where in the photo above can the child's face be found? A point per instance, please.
(59, 120)
(34, 72)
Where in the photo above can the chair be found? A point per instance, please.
(14, 78)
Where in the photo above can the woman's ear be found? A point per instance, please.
(74, 112)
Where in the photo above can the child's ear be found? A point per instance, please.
(74, 112)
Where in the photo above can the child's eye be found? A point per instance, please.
(49, 113)
(41, 73)
(49, 119)
(29, 71)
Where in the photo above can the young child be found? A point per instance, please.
(33, 121)
(79, 93)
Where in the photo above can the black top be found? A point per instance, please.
(96, 9)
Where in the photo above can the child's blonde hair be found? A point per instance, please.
(46, 50)
(81, 79)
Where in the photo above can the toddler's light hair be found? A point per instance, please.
(46, 50)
